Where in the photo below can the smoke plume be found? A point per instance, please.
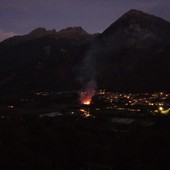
(87, 75)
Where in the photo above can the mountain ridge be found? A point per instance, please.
(68, 33)
(139, 25)
(132, 54)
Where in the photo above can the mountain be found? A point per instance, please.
(37, 33)
(135, 53)
(72, 32)
(68, 33)
(132, 54)
(138, 28)
(41, 32)
(42, 59)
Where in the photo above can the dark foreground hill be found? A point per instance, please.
(132, 54)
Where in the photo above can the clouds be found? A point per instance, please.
(5, 35)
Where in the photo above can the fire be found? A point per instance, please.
(86, 98)
(87, 102)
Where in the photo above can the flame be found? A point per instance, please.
(85, 98)
(87, 102)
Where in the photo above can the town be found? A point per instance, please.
(54, 129)
(111, 105)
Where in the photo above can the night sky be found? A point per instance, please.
(22, 16)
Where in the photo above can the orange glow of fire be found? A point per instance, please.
(86, 102)
(85, 98)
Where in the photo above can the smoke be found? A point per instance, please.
(89, 92)
(88, 74)
(88, 69)
(90, 87)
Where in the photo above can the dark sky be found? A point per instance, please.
(22, 16)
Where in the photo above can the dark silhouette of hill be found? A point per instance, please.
(135, 53)
(132, 54)
(71, 32)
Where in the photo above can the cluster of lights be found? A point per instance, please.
(85, 113)
(42, 93)
(133, 102)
